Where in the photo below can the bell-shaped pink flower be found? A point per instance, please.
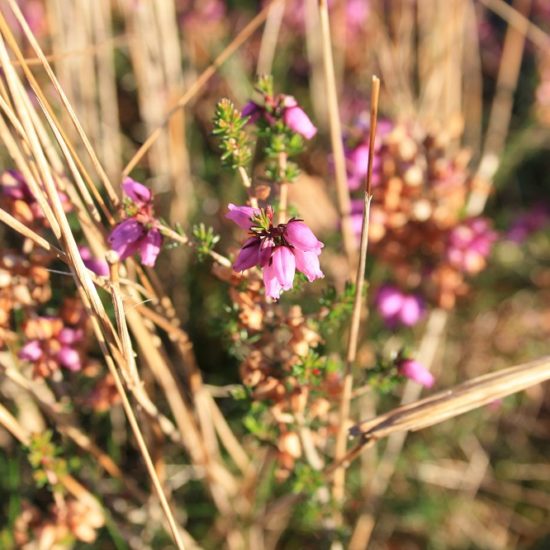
(242, 215)
(299, 235)
(249, 255)
(99, 267)
(296, 119)
(150, 247)
(281, 107)
(278, 250)
(139, 231)
(416, 371)
(126, 236)
(307, 262)
(136, 191)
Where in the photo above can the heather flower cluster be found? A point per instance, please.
(50, 344)
(278, 250)
(398, 308)
(416, 222)
(281, 107)
(139, 231)
(17, 198)
(469, 244)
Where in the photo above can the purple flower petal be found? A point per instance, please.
(284, 266)
(69, 358)
(308, 264)
(416, 371)
(249, 255)
(149, 247)
(126, 232)
(272, 286)
(297, 120)
(136, 191)
(411, 310)
(99, 267)
(69, 336)
(389, 302)
(31, 351)
(252, 110)
(299, 235)
(242, 215)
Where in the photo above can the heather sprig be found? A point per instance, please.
(234, 142)
(48, 466)
(206, 240)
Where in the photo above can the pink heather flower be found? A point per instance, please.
(397, 308)
(243, 216)
(99, 267)
(252, 110)
(296, 119)
(139, 232)
(31, 351)
(469, 244)
(15, 188)
(279, 250)
(69, 358)
(416, 371)
(49, 350)
(281, 107)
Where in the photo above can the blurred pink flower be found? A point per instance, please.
(416, 371)
(469, 244)
(398, 308)
(15, 188)
(56, 349)
(278, 250)
(139, 231)
(99, 267)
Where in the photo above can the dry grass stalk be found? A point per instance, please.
(345, 401)
(447, 404)
(66, 103)
(205, 76)
(111, 345)
(517, 19)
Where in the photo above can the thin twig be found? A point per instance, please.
(247, 183)
(340, 449)
(144, 450)
(283, 187)
(185, 240)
